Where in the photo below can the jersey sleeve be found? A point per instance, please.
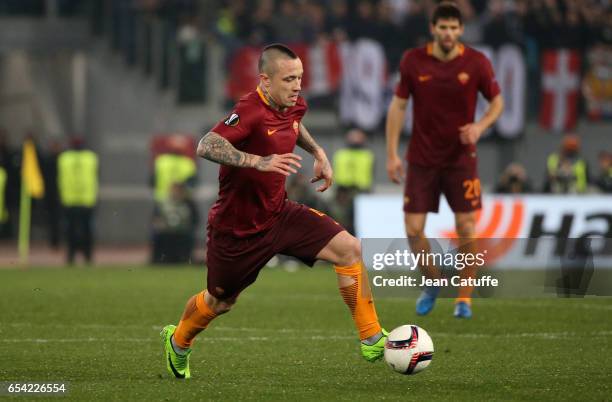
(487, 84)
(404, 86)
(239, 124)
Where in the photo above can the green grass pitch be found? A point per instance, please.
(290, 337)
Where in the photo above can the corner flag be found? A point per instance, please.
(32, 185)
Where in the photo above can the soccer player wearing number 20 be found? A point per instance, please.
(443, 78)
(252, 220)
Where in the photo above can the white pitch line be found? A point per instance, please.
(159, 327)
(213, 339)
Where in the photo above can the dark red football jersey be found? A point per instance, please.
(250, 201)
(444, 96)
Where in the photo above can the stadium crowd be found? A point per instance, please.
(549, 23)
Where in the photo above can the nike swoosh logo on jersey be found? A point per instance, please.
(423, 78)
(270, 132)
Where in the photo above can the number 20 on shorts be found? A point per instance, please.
(472, 189)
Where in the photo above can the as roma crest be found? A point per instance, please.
(463, 77)
(296, 126)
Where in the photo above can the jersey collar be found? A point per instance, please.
(262, 96)
(460, 45)
(267, 102)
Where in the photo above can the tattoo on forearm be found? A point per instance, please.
(217, 149)
(305, 140)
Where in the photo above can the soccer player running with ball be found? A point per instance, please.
(443, 78)
(252, 220)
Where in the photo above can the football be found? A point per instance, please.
(409, 349)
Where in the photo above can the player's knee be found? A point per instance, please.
(415, 232)
(219, 306)
(222, 307)
(351, 252)
(466, 228)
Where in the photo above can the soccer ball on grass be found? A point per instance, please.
(409, 349)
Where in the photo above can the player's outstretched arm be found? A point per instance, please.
(218, 149)
(322, 168)
(393, 129)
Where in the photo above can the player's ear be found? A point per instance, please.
(265, 79)
(432, 28)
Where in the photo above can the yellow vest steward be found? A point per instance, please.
(77, 177)
(3, 212)
(579, 168)
(170, 169)
(353, 168)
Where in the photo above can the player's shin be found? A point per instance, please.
(470, 271)
(420, 244)
(355, 290)
(196, 317)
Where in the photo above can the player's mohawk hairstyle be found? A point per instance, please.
(274, 47)
(446, 10)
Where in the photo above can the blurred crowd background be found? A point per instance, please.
(129, 77)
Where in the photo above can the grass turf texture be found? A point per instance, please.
(289, 337)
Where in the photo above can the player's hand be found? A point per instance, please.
(322, 171)
(283, 164)
(395, 169)
(470, 133)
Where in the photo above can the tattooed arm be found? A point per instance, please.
(322, 168)
(218, 149)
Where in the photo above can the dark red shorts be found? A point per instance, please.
(234, 263)
(424, 185)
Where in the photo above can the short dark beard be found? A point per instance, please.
(446, 51)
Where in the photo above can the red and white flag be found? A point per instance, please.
(322, 69)
(560, 89)
(243, 75)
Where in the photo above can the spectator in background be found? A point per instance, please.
(261, 29)
(388, 33)
(567, 171)
(354, 164)
(363, 24)
(604, 179)
(300, 190)
(77, 174)
(472, 24)
(416, 24)
(287, 24)
(604, 34)
(543, 21)
(315, 21)
(574, 32)
(3, 182)
(3, 210)
(353, 174)
(173, 167)
(48, 162)
(337, 20)
(514, 180)
(230, 24)
(504, 24)
(174, 221)
(10, 159)
(341, 208)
